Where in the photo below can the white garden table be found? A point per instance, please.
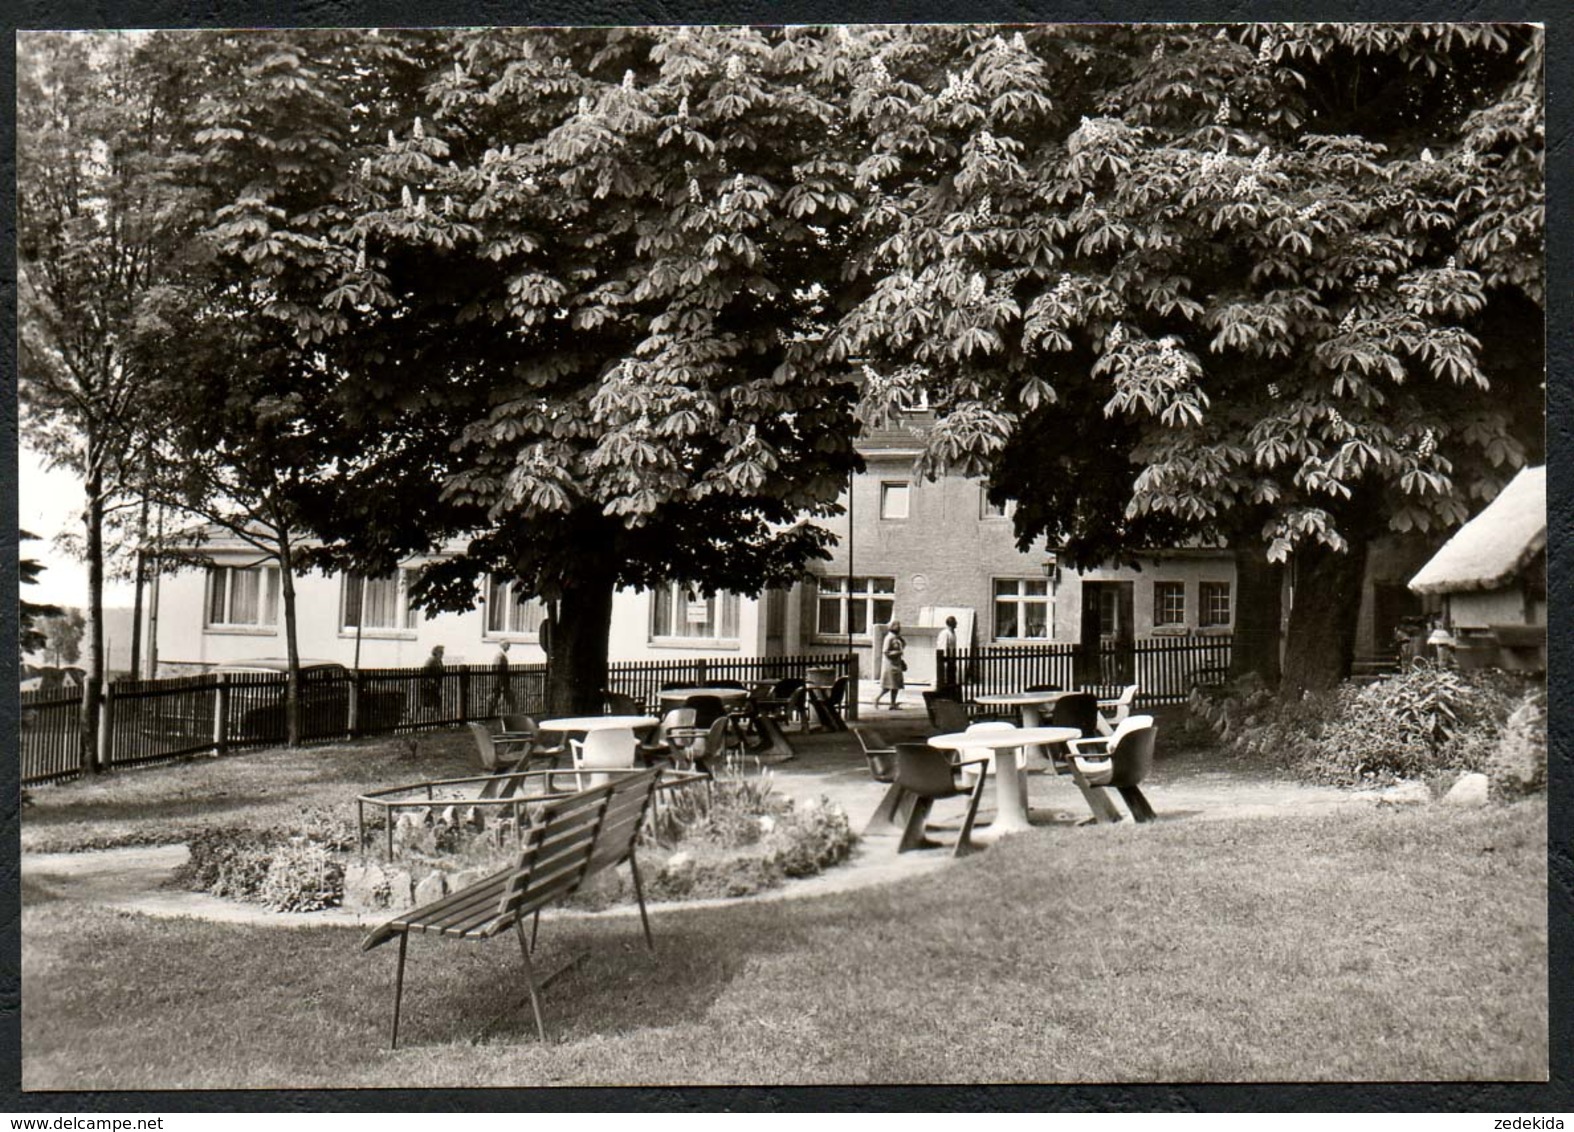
(1029, 703)
(675, 697)
(1010, 788)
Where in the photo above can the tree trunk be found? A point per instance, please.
(292, 648)
(1320, 638)
(577, 673)
(1258, 600)
(93, 682)
(136, 605)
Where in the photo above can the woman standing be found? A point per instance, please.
(892, 666)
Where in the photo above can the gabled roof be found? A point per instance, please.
(1487, 552)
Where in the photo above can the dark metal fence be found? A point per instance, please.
(645, 679)
(1164, 668)
(154, 721)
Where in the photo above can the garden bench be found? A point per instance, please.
(571, 839)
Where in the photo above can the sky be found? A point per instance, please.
(49, 503)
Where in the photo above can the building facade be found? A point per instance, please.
(906, 548)
(231, 611)
(920, 550)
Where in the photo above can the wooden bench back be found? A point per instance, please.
(576, 837)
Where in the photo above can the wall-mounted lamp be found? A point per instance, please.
(1052, 571)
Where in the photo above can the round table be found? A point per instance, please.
(609, 739)
(1029, 703)
(1010, 789)
(675, 697)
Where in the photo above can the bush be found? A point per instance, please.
(288, 869)
(740, 837)
(302, 877)
(1248, 721)
(1424, 722)
(227, 862)
(1517, 765)
(813, 838)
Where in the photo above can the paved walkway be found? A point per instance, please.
(137, 879)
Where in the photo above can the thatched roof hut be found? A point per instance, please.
(1490, 551)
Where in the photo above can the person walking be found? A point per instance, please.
(945, 645)
(432, 681)
(892, 664)
(502, 690)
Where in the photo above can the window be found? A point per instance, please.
(1109, 611)
(893, 500)
(871, 602)
(1022, 609)
(245, 596)
(680, 612)
(1214, 604)
(509, 614)
(986, 509)
(1169, 603)
(378, 604)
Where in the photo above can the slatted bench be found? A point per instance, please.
(571, 839)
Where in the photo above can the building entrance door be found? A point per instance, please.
(1108, 638)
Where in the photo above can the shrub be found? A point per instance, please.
(302, 877)
(332, 827)
(227, 862)
(740, 837)
(1423, 722)
(1517, 765)
(813, 838)
(1251, 723)
(688, 876)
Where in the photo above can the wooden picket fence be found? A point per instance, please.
(145, 722)
(1165, 669)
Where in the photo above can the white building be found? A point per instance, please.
(232, 611)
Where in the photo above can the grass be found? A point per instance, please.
(1361, 944)
(256, 790)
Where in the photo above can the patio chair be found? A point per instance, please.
(1076, 709)
(786, 701)
(545, 744)
(1113, 711)
(879, 752)
(948, 716)
(702, 747)
(498, 756)
(657, 747)
(986, 765)
(831, 705)
(706, 709)
(596, 752)
(926, 775)
(950, 694)
(1121, 760)
(621, 703)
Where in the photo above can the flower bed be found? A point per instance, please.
(734, 837)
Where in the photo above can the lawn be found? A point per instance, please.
(255, 790)
(1361, 944)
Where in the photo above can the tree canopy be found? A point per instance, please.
(609, 304)
(1230, 281)
(567, 288)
